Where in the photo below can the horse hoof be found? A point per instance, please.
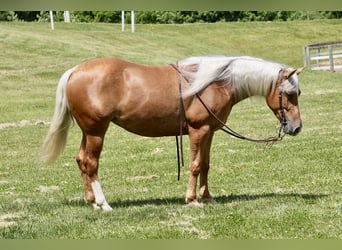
(106, 208)
(95, 206)
(194, 203)
(208, 200)
(190, 200)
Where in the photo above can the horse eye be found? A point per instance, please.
(293, 93)
(290, 94)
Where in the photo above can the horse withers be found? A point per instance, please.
(190, 98)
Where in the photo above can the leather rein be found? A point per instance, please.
(224, 128)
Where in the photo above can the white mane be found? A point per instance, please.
(248, 75)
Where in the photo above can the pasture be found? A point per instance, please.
(292, 190)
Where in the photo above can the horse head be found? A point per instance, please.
(284, 102)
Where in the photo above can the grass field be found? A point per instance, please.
(292, 190)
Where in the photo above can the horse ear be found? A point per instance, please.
(288, 73)
(298, 71)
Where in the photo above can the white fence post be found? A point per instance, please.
(331, 58)
(132, 21)
(51, 20)
(66, 16)
(122, 20)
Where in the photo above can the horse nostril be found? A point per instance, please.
(297, 130)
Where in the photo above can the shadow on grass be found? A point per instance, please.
(247, 197)
(219, 199)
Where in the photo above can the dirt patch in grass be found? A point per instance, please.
(22, 123)
(46, 189)
(7, 220)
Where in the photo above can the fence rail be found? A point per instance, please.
(323, 56)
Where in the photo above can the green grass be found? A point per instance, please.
(291, 191)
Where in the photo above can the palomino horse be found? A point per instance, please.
(194, 96)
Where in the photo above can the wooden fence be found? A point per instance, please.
(323, 56)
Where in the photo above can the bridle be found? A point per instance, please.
(268, 141)
(283, 121)
(235, 134)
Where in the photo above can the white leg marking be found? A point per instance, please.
(95, 206)
(99, 197)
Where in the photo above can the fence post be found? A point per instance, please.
(331, 58)
(318, 55)
(307, 59)
(51, 20)
(132, 21)
(304, 56)
(66, 15)
(122, 20)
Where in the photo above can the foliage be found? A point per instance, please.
(8, 16)
(27, 15)
(175, 17)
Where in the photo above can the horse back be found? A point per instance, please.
(142, 99)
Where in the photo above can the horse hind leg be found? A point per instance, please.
(80, 159)
(88, 162)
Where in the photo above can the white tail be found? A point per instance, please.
(56, 137)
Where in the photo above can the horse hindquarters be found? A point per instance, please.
(84, 91)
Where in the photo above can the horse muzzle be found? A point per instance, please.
(292, 129)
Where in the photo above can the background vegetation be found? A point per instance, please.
(291, 191)
(169, 17)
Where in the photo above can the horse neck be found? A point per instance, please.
(252, 87)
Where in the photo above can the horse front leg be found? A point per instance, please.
(200, 140)
(88, 161)
(204, 188)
